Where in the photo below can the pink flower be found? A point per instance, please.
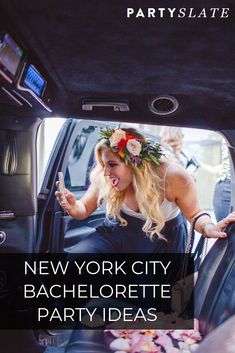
(137, 160)
(144, 343)
(166, 342)
(154, 341)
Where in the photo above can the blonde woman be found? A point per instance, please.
(145, 196)
(173, 137)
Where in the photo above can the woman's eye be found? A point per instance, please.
(112, 165)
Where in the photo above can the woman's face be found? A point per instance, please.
(119, 174)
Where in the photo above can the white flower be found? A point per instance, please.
(116, 137)
(134, 147)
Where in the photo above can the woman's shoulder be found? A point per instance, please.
(176, 179)
(169, 170)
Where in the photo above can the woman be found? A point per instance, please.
(173, 137)
(145, 195)
(222, 191)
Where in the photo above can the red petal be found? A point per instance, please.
(121, 144)
(129, 137)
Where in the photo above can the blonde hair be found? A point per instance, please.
(147, 185)
(172, 136)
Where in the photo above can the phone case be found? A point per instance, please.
(61, 182)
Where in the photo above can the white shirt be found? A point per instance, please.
(169, 210)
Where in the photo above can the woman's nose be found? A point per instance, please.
(106, 171)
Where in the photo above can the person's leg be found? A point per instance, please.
(222, 199)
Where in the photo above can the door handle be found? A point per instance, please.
(117, 106)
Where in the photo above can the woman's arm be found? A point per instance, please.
(212, 169)
(181, 189)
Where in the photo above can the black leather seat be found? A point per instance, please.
(87, 341)
(214, 296)
(215, 288)
(19, 341)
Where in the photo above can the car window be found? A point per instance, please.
(47, 135)
(202, 145)
(81, 159)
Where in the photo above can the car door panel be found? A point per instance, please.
(76, 230)
(18, 206)
(64, 232)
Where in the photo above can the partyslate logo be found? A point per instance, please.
(183, 12)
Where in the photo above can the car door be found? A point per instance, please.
(73, 155)
(18, 207)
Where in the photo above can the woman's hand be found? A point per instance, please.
(211, 230)
(66, 199)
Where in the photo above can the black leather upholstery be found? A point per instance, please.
(214, 296)
(20, 341)
(87, 341)
(215, 289)
(221, 340)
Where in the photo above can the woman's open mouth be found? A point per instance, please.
(114, 182)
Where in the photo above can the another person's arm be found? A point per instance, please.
(212, 169)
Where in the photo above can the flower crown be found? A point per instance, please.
(130, 148)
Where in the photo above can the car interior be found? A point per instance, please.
(90, 64)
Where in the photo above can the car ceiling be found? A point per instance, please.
(91, 50)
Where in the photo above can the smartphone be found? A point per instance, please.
(61, 182)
